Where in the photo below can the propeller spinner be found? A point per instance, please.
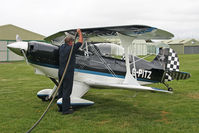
(18, 46)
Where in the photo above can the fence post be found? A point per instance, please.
(7, 51)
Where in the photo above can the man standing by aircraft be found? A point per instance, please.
(67, 84)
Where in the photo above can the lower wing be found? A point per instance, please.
(126, 86)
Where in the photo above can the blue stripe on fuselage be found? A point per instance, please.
(91, 72)
(44, 64)
(98, 73)
(109, 75)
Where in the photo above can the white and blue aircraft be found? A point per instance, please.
(94, 69)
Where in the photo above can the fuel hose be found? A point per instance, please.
(54, 95)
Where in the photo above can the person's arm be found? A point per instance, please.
(80, 36)
(80, 41)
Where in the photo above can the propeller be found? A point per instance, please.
(19, 47)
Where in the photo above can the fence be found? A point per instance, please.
(6, 54)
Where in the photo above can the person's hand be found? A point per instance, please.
(78, 31)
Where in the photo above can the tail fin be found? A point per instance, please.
(169, 61)
(172, 64)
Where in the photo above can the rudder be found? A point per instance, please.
(169, 61)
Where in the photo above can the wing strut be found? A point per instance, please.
(126, 41)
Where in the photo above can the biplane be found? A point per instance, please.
(94, 69)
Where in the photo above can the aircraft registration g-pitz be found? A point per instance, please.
(96, 70)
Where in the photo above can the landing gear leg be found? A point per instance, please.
(169, 88)
(135, 94)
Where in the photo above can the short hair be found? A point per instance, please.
(69, 38)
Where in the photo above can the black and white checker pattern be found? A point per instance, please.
(173, 63)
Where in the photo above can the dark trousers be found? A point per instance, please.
(65, 90)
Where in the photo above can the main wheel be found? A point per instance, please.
(45, 99)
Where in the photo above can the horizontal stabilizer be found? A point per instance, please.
(178, 75)
(75, 101)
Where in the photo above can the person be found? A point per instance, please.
(67, 84)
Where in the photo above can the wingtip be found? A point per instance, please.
(161, 90)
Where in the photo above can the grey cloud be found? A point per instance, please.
(49, 16)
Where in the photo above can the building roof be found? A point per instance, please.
(9, 31)
(182, 41)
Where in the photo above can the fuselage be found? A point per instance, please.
(93, 66)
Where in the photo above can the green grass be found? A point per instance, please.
(114, 111)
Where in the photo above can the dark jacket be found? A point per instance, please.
(64, 52)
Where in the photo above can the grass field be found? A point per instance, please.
(114, 111)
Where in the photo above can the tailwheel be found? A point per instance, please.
(168, 87)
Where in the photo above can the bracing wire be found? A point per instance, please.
(104, 62)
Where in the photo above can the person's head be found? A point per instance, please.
(69, 40)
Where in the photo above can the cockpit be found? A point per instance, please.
(103, 49)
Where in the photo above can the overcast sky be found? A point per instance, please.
(46, 17)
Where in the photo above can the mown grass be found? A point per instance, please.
(114, 111)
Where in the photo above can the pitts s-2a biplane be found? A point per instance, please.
(96, 70)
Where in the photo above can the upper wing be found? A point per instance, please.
(136, 31)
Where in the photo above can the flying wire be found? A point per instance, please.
(104, 62)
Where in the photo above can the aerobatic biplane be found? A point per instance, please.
(93, 69)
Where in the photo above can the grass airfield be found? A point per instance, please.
(114, 111)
